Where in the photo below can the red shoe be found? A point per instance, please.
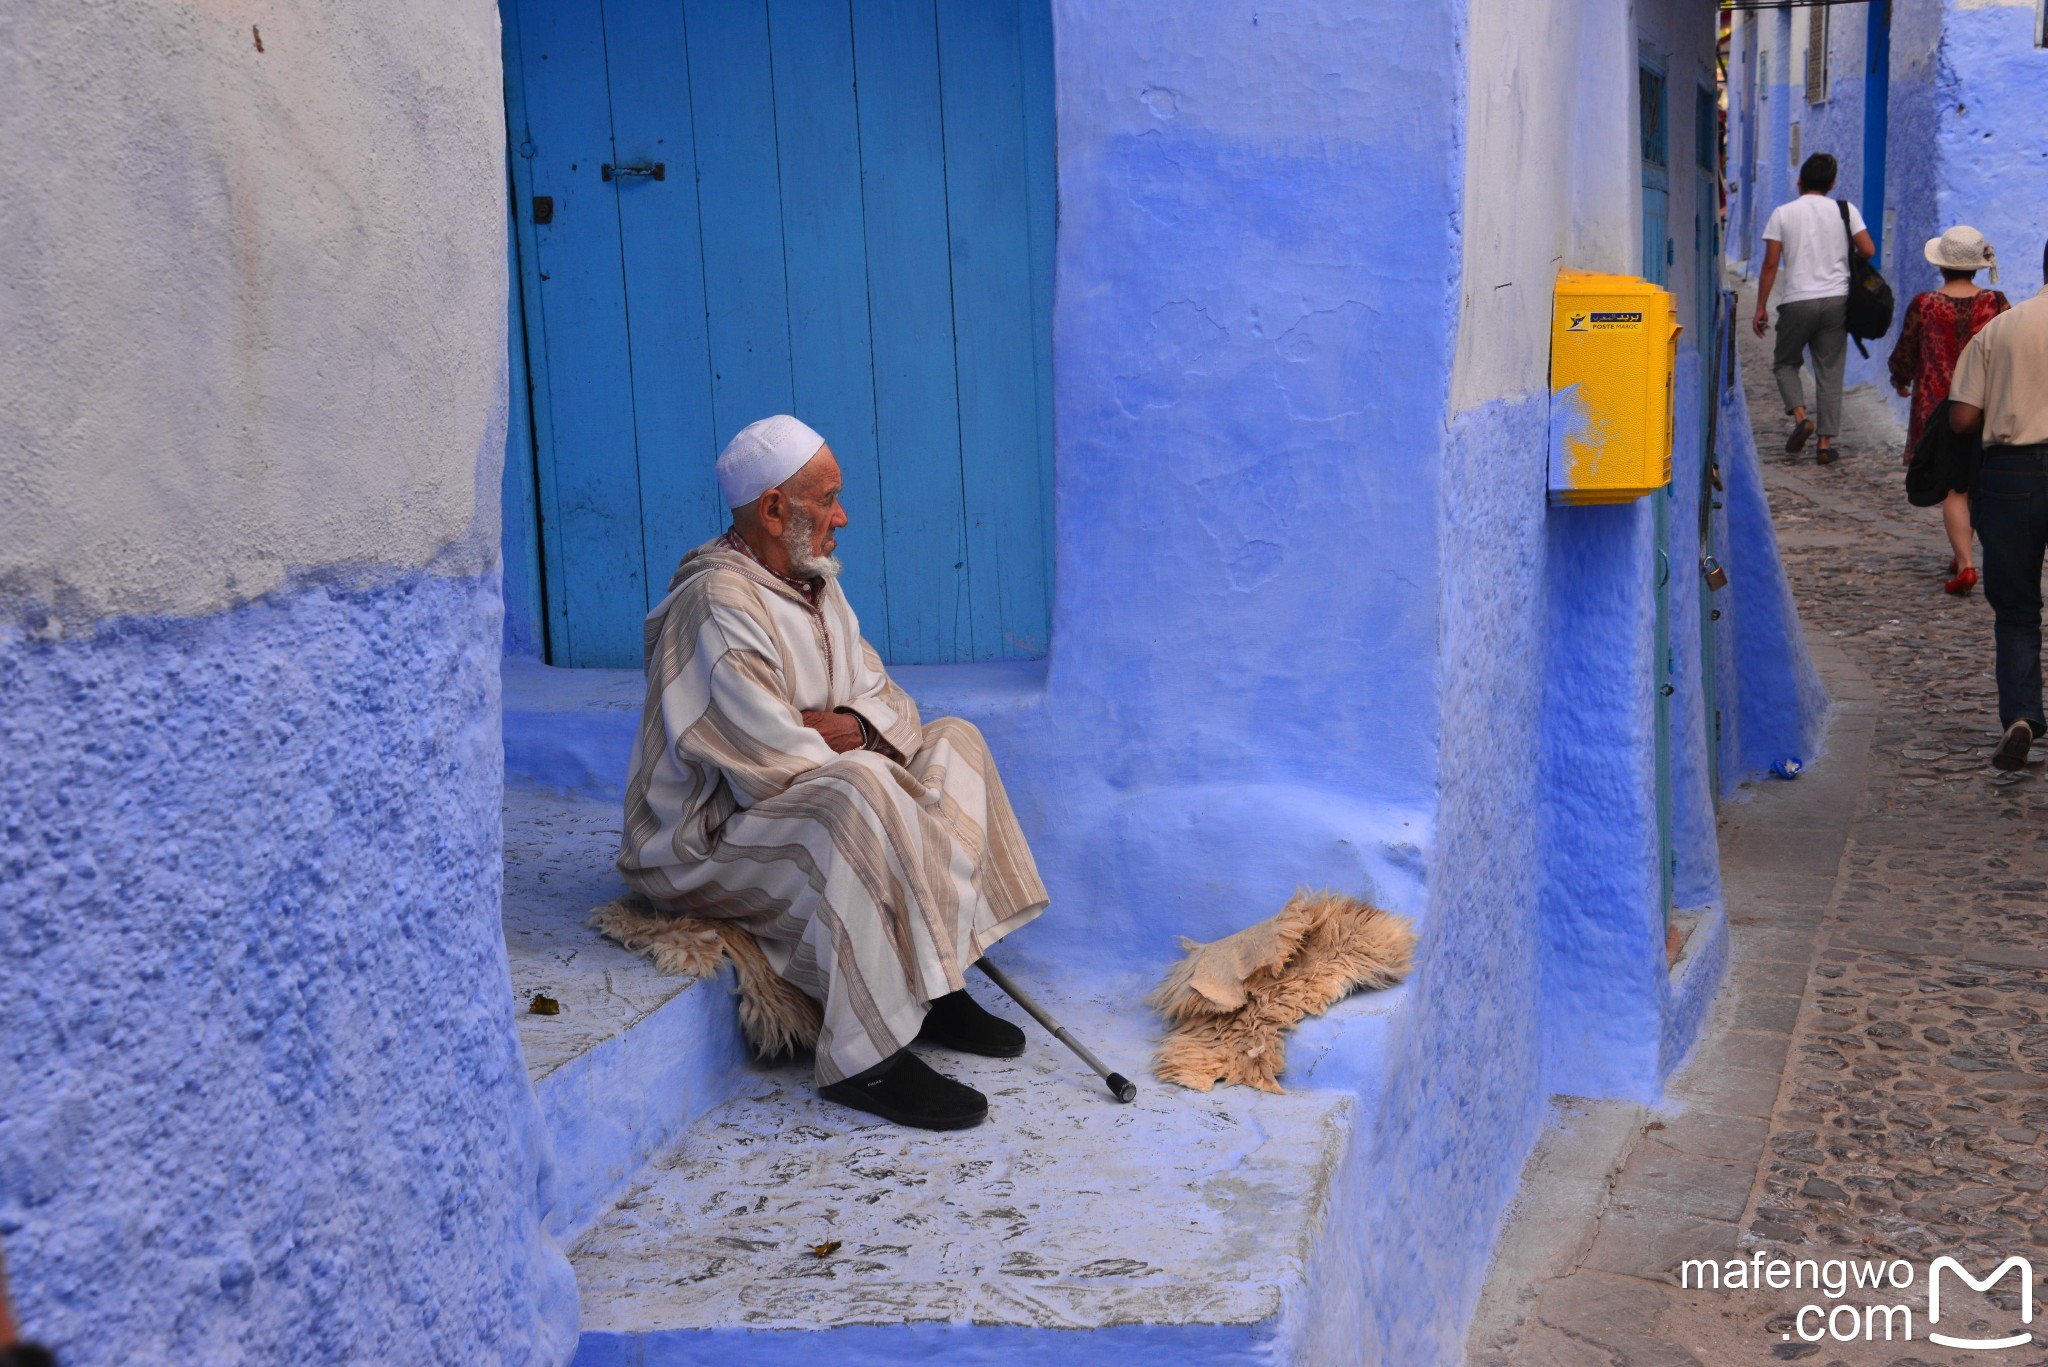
(1962, 583)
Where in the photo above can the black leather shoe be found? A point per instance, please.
(957, 1021)
(903, 1088)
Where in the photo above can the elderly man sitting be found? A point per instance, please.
(781, 780)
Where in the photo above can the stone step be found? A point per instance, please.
(635, 1054)
(1182, 1226)
(693, 1185)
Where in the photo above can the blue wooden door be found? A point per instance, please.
(840, 209)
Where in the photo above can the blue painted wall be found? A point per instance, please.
(1837, 125)
(1965, 143)
(1311, 627)
(261, 1094)
(1994, 141)
(1471, 1046)
(1696, 878)
(264, 1099)
(1772, 704)
(1911, 187)
(1240, 695)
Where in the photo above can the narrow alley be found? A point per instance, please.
(1886, 915)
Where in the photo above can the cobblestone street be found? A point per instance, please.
(1898, 891)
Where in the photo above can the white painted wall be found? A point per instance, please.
(253, 301)
(1551, 178)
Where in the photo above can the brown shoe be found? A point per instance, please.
(1825, 455)
(2011, 753)
(1799, 435)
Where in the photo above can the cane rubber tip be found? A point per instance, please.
(1121, 1087)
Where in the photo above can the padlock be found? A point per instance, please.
(1717, 578)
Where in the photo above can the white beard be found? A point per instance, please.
(797, 541)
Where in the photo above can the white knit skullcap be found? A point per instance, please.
(764, 454)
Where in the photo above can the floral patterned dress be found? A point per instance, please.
(1932, 338)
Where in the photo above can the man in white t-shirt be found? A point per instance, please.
(1806, 238)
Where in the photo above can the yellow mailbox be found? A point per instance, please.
(1613, 346)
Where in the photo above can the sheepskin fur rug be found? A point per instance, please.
(1229, 1005)
(775, 1017)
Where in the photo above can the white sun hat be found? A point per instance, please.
(1962, 248)
(764, 454)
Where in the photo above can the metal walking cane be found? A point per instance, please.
(1120, 1087)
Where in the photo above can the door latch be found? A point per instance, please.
(654, 170)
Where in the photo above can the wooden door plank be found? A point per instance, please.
(590, 496)
(732, 104)
(677, 435)
(1042, 181)
(825, 261)
(994, 335)
(909, 282)
(521, 149)
(520, 515)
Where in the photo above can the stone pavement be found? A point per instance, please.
(1875, 1081)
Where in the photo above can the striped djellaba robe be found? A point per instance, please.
(872, 881)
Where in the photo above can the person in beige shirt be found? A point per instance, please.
(2001, 390)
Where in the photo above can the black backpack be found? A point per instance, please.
(1870, 298)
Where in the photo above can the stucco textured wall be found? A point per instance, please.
(1965, 140)
(1910, 185)
(1773, 706)
(1696, 875)
(1253, 349)
(264, 1101)
(263, 1097)
(1602, 926)
(1993, 144)
(250, 319)
(1433, 1181)
(1541, 966)
(1251, 380)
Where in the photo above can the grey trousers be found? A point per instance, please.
(1820, 326)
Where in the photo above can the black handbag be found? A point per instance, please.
(1945, 461)
(1870, 297)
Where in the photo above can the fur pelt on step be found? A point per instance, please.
(1229, 1004)
(775, 1017)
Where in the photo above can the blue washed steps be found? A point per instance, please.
(1185, 1222)
(692, 1184)
(635, 1054)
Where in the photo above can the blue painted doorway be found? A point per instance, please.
(841, 209)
